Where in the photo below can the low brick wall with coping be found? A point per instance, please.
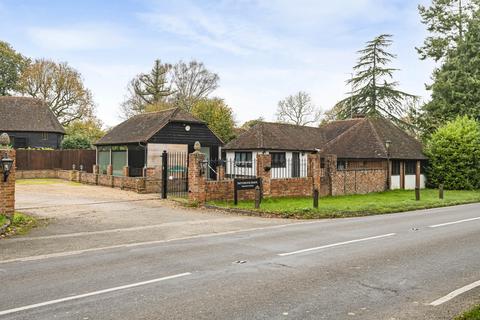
(324, 178)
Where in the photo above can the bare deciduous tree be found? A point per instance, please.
(60, 86)
(192, 82)
(298, 109)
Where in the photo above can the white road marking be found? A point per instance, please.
(453, 222)
(455, 293)
(138, 228)
(337, 244)
(94, 293)
(144, 243)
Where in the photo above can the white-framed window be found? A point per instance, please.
(243, 159)
(44, 135)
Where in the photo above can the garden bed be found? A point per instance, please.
(354, 205)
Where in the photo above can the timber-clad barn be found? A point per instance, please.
(30, 123)
(139, 142)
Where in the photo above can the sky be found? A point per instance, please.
(262, 50)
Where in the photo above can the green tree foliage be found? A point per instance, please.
(446, 21)
(373, 91)
(217, 115)
(454, 155)
(60, 86)
(456, 86)
(147, 89)
(11, 65)
(90, 128)
(76, 141)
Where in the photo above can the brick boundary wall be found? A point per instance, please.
(7, 189)
(201, 190)
(327, 180)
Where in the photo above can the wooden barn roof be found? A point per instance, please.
(28, 115)
(359, 138)
(142, 127)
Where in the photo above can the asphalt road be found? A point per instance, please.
(398, 266)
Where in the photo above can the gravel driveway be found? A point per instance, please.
(78, 217)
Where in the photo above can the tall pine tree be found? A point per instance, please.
(374, 93)
(446, 21)
(456, 87)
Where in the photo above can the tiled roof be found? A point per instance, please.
(27, 114)
(359, 138)
(142, 127)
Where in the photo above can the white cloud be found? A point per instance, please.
(79, 37)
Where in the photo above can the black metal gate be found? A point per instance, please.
(174, 174)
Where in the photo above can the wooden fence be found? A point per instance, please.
(55, 159)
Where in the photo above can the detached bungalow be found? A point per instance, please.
(359, 143)
(30, 123)
(139, 142)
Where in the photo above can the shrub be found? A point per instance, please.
(454, 152)
(76, 142)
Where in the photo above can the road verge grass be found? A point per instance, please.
(354, 205)
(20, 224)
(473, 314)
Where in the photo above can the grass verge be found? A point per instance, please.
(21, 224)
(355, 205)
(473, 314)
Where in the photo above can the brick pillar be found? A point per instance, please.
(314, 170)
(264, 165)
(330, 172)
(109, 170)
(126, 171)
(220, 172)
(7, 189)
(96, 169)
(196, 178)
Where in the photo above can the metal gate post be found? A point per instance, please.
(164, 174)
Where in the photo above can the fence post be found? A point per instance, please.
(258, 197)
(315, 198)
(164, 174)
(417, 181)
(440, 191)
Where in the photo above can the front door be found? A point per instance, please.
(295, 164)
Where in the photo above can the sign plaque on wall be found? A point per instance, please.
(244, 184)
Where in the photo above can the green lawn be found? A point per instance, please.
(356, 205)
(473, 314)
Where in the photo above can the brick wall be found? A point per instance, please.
(358, 181)
(137, 184)
(7, 189)
(291, 187)
(223, 190)
(36, 174)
